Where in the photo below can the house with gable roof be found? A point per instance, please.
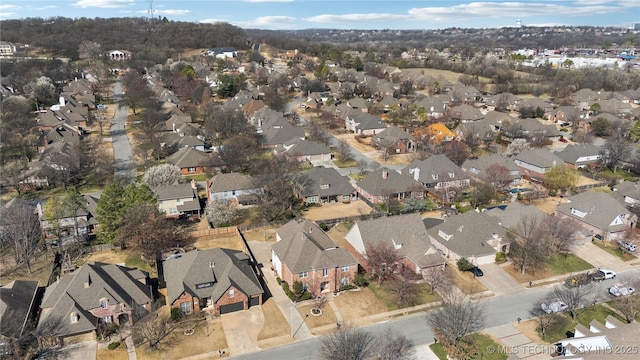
(628, 193)
(438, 174)
(305, 253)
(223, 52)
(394, 140)
(534, 163)
(74, 305)
(19, 303)
(235, 187)
(383, 184)
(579, 156)
(192, 161)
(477, 168)
(179, 200)
(323, 185)
(406, 233)
(304, 150)
(600, 213)
(221, 280)
(472, 235)
(365, 124)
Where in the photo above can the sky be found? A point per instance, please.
(345, 14)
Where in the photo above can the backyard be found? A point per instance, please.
(336, 210)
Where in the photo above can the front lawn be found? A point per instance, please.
(614, 250)
(386, 294)
(487, 348)
(563, 323)
(345, 164)
(558, 264)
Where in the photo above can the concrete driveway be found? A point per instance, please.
(499, 281)
(600, 258)
(241, 329)
(80, 351)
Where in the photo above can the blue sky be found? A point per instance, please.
(345, 14)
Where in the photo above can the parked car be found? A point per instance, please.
(563, 140)
(621, 289)
(603, 274)
(553, 306)
(629, 246)
(476, 271)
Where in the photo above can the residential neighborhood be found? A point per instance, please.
(243, 200)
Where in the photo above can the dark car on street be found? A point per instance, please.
(476, 271)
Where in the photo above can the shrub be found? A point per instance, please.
(113, 345)
(176, 314)
(464, 264)
(360, 280)
(501, 257)
(279, 281)
(347, 287)
(323, 226)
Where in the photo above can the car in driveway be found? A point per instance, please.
(621, 289)
(476, 271)
(553, 306)
(629, 246)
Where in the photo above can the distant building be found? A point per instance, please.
(636, 27)
(119, 55)
(7, 48)
(223, 52)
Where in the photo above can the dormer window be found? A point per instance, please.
(74, 317)
(452, 175)
(324, 186)
(104, 303)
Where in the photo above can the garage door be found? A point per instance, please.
(225, 309)
(254, 301)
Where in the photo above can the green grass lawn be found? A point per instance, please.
(439, 351)
(564, 264)
(615, 250)
(487, 348)
(135, 261)
(196, 177)
(345, 164)
(386, 295)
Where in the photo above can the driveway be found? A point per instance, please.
(600, 258)
(498, 281)
(80, 351)
(241, 330)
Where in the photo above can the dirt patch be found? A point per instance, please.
(119, 353)
(337, 210)
(229, 242)
(109, 257)
(399, 159)
(274, 322)
(267, 234)
(354, 305)
(40, 269)
(548, 204)
(465, 281)
(328, 316)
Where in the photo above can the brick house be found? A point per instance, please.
(383, 184)
(192, 161)
(303, 252)
(179, 200)
(219, 280)
(534, 163)
(73, 307)
(394, 140)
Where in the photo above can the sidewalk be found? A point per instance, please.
(518, 345)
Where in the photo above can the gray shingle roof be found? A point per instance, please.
(190, 157)
(627, 189)
(232, 181)
(478, 166)
(305, 147)
(222, 267)
(432, 170)
(176, 191)
(572, 152)
(15, 301)
(511, 217)
(469, 233)
(407, 232)
(83, 289)
(599, 209)
(376, 184)
(310, 182)
(539, 157)
(305, 247)
(389, 136)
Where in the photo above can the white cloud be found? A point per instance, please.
(269, 22)
(167, 12)
(212, 21)
(9, 7)
(104, 3)
(372, 17)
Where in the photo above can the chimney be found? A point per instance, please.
(62, 102)
(385, 174)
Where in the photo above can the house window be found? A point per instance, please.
(192, 169)
(344, 281)
(185, 307)
(232, 293)
(325, 272)
(173, 210)
(324, 186)
(304, 274)
(107, 319)
(233, 193)
(104, 303)
(311, 199)
(345, 269)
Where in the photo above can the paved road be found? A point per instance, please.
(125, 168)
(500, 310)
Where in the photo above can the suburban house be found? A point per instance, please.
(589, 343)
(477, 168)
(305, 253)
(383, 184)
(364, 124)
(579, 156)
(84, 218)
(238, 188)
(179, 200)
(530, 129)
(394, 140)
(439, 133)
(304, 150)
(220, 280)
(323, 185)
(223, 52)
(275, 136)
(627, 192)
(119, 55)
(406, 233)
(75, 305)
(472, 235)
(7, 48)
(192, 161)
(534, 163)
(600, 213)
(438, 174)
(19, 300)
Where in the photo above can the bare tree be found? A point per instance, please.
(394, 346)
(437, 278)
(382, 260)
(629, 306)
(542, 318)
(614, 150)
(529, 248)
(317, 133)
(153, 330)
(344, 150)
(21, 228)
(576, 298)
(457, 151)
(347, 343)
(499, 176)
(560, 233)
(582, 136)
(458, 317)
(406, 292)
(276, 199)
